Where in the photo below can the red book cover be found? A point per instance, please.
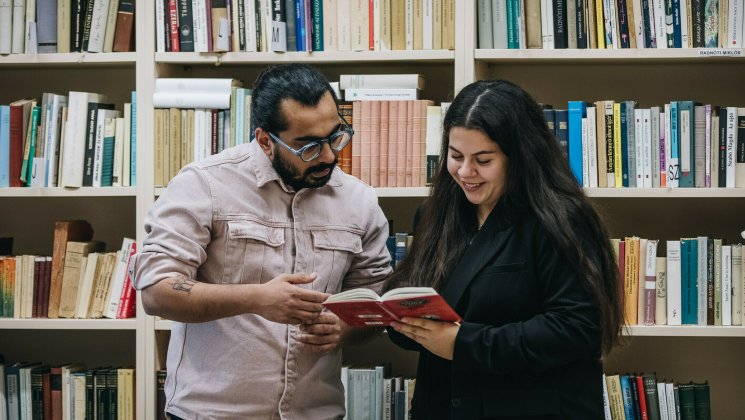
(642, 397)
(55, 381)
(363, 307)
(127, 297)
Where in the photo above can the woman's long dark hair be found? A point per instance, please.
(539, 182)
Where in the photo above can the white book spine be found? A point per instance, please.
(199, 8)
(127, 144)
(735, 24)
(638, 148)
(193, 85)
(381, 81)
(609, 16)
(661, 397)
(6, 26)
(647, 152)
(343, 24)
(428, 39)
(660, 317)
(731, 145)
(98, 25)
(707, 146)
(380, 94)
(18, 39)
(606, 401)
(592, 146)
(116, 179)
(702, 279)
(659, 23)
(250, 25)
(737, 284)
(673, 283)
(585, 155)
(160, 25)
(409, 24)
(191, 100)
(117, 280)
(547, 24)
(376, 25)
(726, 285)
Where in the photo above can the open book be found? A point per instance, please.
(363, 307)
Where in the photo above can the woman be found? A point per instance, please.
(512, 243)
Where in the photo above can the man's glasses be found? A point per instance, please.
(312, 150)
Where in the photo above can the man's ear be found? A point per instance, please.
(262, 137)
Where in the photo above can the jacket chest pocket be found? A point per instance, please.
(254, 252)
(334, 250)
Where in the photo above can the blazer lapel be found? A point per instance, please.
(484, 246)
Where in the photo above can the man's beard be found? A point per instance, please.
(292, 176)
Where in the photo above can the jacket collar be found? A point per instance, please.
(485, 244)
(266, 173)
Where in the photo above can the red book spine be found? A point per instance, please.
(173, 16)
(16, 145)
(371, 25)
(642, 397)
(126, 299)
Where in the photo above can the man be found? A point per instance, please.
(243, 247)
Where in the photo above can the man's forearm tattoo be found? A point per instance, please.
(184, 285)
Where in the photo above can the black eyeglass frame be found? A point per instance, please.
(346, 129)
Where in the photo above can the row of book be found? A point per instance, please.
(304, 25)
(66, 392)
(37, 26)
(698, 281)
(642, 396)
(72, 140)
(373, 394)
(78, 281)
(617, 144)
(610, 24)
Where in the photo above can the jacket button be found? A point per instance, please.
(455, 402)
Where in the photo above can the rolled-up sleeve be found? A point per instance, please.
(177, 230)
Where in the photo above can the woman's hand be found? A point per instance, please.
(436, 336)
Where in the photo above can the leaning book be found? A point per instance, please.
(363, 307)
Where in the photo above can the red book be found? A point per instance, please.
(127, 297)
(364, 308)
(642, 397)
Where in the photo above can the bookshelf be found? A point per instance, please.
(650, 76)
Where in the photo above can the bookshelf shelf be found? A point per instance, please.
(579, 56)
(68, 324)
(163, 325)
(665, 192)
(382, 192)
(683, 331)
(69, 60)
(326, 57)
(69, 192)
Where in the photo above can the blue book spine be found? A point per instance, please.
(576, 111)
(300, 24)
(390, 244)
(677, 36)
(133, 143)
(317, 25)
(4, 146)
(688, 278)
(675, 137)
(624, 146)
(628, 401)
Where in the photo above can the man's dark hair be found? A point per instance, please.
(299, 82)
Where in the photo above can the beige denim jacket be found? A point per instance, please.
(229, 219)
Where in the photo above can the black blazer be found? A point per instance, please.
(529, 345)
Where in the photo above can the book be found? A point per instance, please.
(363, 307)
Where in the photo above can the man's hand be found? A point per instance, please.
(322, 334)
(436, 336)
(282, 301)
